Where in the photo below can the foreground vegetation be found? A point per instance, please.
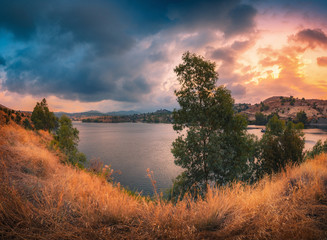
(40, 198)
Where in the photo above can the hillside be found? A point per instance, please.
(159, 116)
(40, 198)
(8, 115)
(92, 114)
(287, 107)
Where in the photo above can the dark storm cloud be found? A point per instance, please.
(20, 17)
(311, 37)
(95, 22)
(86, 78)
(2, 61)
(149, 16)
(241, 20)
(87, 50)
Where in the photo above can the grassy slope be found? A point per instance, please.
(43, 199)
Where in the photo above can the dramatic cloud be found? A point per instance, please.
(322, 61)
(96, 50)
(105, 53)
(312, 38)
(232, 72)
(2, 61)
(284, 74)
(241, 19)
(226, 55)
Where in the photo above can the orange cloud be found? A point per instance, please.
(285, 70)
(322, 61)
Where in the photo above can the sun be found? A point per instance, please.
(275, 71)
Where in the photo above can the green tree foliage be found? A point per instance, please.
(280, 145)
(292, 100)
(216, 148)
(260, 119)
(314, 105)
(18, 118)
(318, 148)
(263, 107)
(67, 140)
(42, 118)
(301, 117)
(27, 124)
(7, 119)
(283, 100)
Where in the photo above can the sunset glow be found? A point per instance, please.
(107, 61)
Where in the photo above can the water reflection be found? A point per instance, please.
(134, 147)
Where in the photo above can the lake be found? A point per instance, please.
(134, 147)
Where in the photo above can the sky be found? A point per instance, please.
(111, 55)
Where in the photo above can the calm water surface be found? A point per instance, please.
(134, 147)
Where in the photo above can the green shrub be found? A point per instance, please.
(280, 145)
(317, 149)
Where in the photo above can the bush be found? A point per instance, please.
(7, 119)
(27, 124)
(280, 145)
(18, 118)
(317, 149)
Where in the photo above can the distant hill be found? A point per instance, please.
(94, 113)
(159, 116)
(287, 108)
(122, 113)
(80, 114)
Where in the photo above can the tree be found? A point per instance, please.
(292, 100)
(42, 118)
(260, 118)
(301, 117)
(263, 107)
(280, 145)
(216, 148)
(27, 124)
(18, 118)
(67, 137)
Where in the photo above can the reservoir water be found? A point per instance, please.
(134, 147)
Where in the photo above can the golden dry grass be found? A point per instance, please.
(40, 198)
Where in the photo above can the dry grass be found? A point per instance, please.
(43, 199)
